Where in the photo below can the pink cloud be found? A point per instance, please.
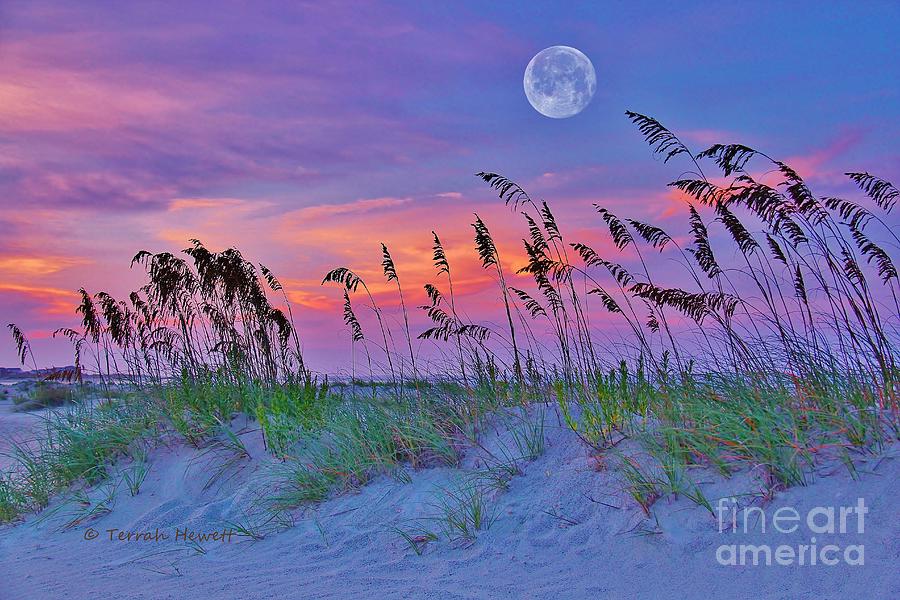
(355, 208)
(815, 165)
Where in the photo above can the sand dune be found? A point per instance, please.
(562, 529)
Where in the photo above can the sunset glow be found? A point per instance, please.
(125, 127)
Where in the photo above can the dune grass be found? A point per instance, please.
(761, 337)
(44, 395)
(78, 443)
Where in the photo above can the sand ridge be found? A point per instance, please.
(562, 529)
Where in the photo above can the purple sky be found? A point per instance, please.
(307, 133)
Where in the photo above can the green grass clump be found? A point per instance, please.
(608, 405)
(777, 426)
(460, 512)
(197, 408)
(44, 395)
(12, 500)
(360, 440)
(78, 444)
(286, 412)
(464, 511)
(733, 421)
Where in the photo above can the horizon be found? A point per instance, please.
(307, 136)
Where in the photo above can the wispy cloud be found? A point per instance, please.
(18, 266)
(355, 208)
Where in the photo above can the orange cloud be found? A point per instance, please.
(308, 293)
(178, 204)
(48, 300)
(27, 266)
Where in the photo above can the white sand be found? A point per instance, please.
(19, 427)
(346, 548)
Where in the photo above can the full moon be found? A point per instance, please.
(560, 82)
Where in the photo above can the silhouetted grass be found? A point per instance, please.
(779, 349)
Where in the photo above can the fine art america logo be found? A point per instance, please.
(786, 520)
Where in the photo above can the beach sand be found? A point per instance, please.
(563, 529)
(22, 427)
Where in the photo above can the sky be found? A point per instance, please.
(306, 133)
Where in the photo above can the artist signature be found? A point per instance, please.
(157, 535)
